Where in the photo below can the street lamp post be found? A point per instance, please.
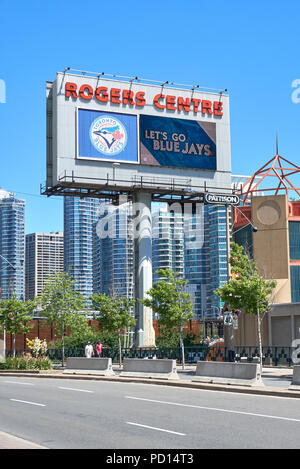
(4, 331)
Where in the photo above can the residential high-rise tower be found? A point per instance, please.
(44, 256)
(80, 215)
(12, 245)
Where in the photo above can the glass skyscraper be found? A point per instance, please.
(113, 250)
(167, 241)
(12, 245)
(99, 248)
(192, 242)
(80, 215)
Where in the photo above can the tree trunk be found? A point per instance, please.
(63, 350)
(14, 345)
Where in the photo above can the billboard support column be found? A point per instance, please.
(145, 334)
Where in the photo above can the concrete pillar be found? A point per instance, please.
(145, 334)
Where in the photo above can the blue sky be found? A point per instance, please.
(252, 49)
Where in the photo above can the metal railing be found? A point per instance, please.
(272, 355)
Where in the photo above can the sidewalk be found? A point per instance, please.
(13, 442)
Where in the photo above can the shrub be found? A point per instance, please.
(26, 363)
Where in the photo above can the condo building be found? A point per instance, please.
(80, 215)
(12, 245)
(44, 256)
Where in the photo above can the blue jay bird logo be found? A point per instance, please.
(108, 135)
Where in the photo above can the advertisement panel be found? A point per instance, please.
(107, 136)
(163, 135)
(177, 142)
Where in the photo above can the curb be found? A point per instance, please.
(263, 390)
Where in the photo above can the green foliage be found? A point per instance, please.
(113, 312)
(169, 299)
(171, 338)
(113, 315)
(60, 303)
(26, 363)
(79, 340)
(15, 314)
(247, 291)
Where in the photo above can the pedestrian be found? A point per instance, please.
(89, 351)
(99, 348)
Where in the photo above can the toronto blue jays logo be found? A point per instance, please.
(108, 135)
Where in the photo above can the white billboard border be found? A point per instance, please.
(86, 158)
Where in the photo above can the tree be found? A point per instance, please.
(61, 304)
(247, 291)
(170, 300)
(14, 316)
(113, 314)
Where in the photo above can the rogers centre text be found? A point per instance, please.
(131, 98)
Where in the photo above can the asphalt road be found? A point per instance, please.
(92, 415)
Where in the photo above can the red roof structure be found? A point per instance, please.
(279, 168)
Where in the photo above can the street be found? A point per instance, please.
(68, 414)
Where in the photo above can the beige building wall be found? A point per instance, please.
(246, 334)
(271, 243)
(279, 327)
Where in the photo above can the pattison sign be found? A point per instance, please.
(139, 99)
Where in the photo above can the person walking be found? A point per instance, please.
(99, 348)
(89, 351)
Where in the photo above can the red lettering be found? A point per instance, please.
(128, 96)
(140, 98)
(82, 92)
(183, 103)
(115, 96)
(196, 103)
(171, 103)
(156, 100)
(206, 107)
(160, 101)
(70, 89)
(101, 94)
(218, 108)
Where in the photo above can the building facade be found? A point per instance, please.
(167, 241)
(191, 240)
(80, 215)
(275, 246)
(44, 256)
(113, 250)
(12, 245)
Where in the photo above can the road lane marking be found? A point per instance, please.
(17, 382)
(28, 402)
(216, 409)
(74, 389)
(155, 428)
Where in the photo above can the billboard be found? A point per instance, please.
(152, 132)
(177, 142)
(107, 136)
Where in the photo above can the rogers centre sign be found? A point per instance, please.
(160, 101)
